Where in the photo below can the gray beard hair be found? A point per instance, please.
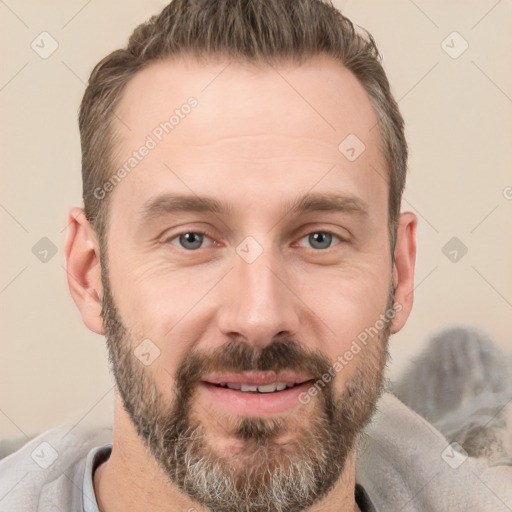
(266, 476)
(274, 479)
(262, 486)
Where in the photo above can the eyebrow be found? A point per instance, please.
(338, 203)
(166, 204)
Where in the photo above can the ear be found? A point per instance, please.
(84, 269)
(403, 268)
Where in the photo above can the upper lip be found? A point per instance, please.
(256, 378)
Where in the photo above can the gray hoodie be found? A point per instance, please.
(403, 463)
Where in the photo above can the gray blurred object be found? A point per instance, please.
(461, 383)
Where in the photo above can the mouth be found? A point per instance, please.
(255, 393)
(257, 382)
(253, 388)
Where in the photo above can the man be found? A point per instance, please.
(242, 248)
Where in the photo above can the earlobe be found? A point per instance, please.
(84, 269)
(403, 269)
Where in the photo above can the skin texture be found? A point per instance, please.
(258, 139)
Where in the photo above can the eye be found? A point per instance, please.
(319, 239)
(191, 240)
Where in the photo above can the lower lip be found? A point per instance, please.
(249, 404)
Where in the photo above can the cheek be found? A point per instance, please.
(351, 308)
(152, 295)
(348, 301)
(166, 306)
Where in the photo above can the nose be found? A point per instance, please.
(258, 302)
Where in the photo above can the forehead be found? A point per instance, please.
(321, 93)
(284, 124)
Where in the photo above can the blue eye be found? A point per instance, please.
(190, 241)
(193, 240)
(319, 239)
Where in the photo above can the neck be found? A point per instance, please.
(132, 480)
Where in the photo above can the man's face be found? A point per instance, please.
(271, 288)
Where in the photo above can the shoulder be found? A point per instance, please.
(48, 466)
(403, 460)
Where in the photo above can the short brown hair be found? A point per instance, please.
(257, 31)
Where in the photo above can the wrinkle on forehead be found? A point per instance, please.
(319, 100)
(252, 129)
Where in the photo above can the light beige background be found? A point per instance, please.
(459, 126)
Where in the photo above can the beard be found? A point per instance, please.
(266, 474)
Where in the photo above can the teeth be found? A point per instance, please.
(245, 387)
(268, 388)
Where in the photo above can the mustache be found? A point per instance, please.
(238, 356)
